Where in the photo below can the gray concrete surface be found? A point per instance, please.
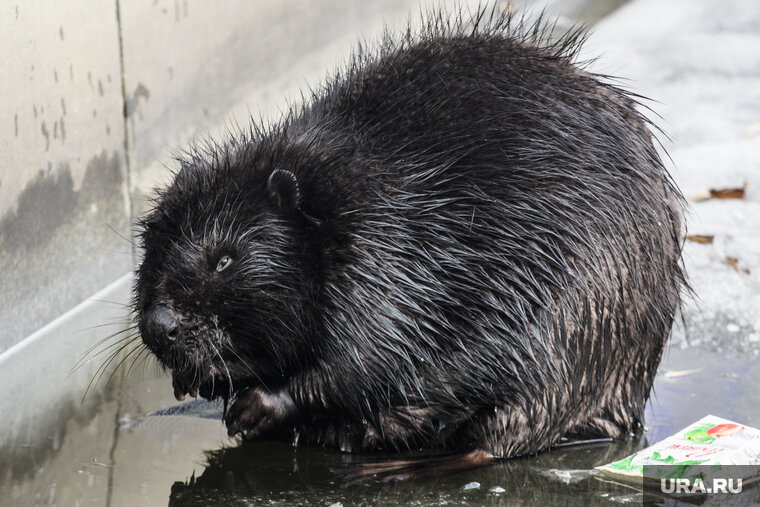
(43, 404)
(62, 165)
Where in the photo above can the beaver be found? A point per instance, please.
(462, 241)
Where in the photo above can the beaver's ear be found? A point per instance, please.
(282, 187)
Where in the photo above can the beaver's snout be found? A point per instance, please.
(159, 328)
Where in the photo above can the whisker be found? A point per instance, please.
(110, 336)
(115, 321)
(140, 355)
(227, 370)
(124, 359)
(247, 366)
(103, 367)
(91, 353)
(122, 236)
(120, 304)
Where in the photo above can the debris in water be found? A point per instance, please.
(471, 485)
(734, 263)
(679, 373)
(722, 193)
(700, 238)
(567, 476)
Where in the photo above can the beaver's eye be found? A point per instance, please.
(224, 263)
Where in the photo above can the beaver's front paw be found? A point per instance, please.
(259, 414)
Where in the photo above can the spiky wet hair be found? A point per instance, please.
(481, 231)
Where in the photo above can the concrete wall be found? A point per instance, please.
(62, 162)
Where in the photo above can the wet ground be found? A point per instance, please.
(124, 457)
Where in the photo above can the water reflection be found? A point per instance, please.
(258, 473)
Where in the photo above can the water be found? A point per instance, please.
(117, 455)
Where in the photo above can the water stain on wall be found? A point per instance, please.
(49, 201)
(45, 133)
(58, 246)
(141, 92)
(43, 205)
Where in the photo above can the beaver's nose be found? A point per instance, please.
(160, 328)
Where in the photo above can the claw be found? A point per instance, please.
(259, 413)
(179, 391)
(232, 428)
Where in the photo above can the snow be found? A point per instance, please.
(700, 62)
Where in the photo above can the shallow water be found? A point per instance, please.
(121, 456)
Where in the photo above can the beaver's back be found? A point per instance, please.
(509, 236)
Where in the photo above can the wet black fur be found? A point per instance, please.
(472, 244)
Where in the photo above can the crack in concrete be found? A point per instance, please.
(130, 208)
